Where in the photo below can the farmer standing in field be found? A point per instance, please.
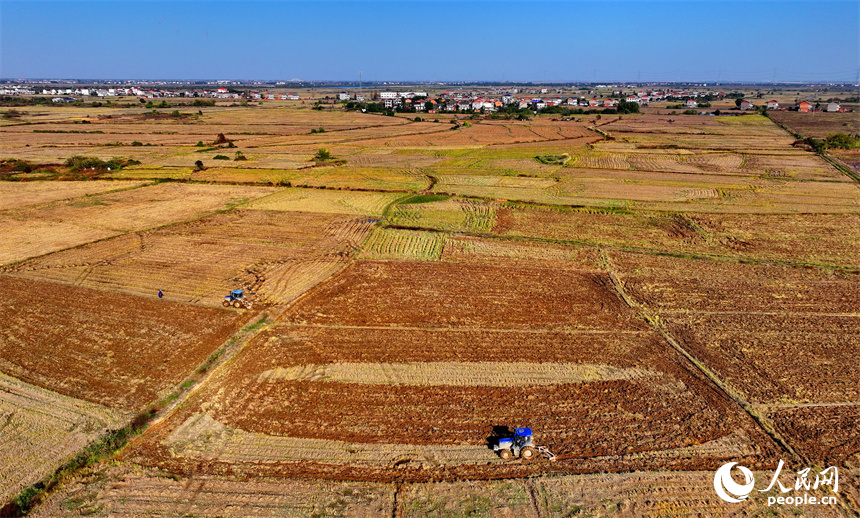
(160, 294)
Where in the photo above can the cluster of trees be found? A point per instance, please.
(369, 107)
(80, 163)
(833, 141)
(842, 141)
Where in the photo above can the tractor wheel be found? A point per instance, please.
(226, 303)
(505, 454)
(527, 452)
(237, 304)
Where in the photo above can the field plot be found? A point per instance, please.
(829, 239)
(661, 494)
(279, 254)
(484, 134)
(359, 402)
(475, 297)
(390, 243)
(826, 434)
(670, 284)
(850, 157)
(14, 195)
(40, 429)
(123, 490)
(443, 213)
(116, 350)
(381, 179)
(806, 238)
(647, 230)
(672, 192)
(331, 202)
(23, 239)
(664, 494)
(519, 253)
(785, 359)
(479, 374)
(819, 124)
(90, 218)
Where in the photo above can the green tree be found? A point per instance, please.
(199, 165)
(738, 101)
(627, 107)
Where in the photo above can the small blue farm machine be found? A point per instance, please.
(520, 446)
(237, 299)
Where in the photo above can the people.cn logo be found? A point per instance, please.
(728, 489)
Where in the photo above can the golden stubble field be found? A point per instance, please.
(654, 302)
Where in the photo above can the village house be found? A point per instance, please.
(834, 107)
(746, 105)
(691, 103)
(772, 105)
(804, 106)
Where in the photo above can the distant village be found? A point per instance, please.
(489, 100)
(536, 100)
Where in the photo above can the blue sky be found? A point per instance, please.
(555, 41)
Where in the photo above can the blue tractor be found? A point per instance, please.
(520, 446)
(237, 299)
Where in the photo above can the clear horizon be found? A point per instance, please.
(433, 41)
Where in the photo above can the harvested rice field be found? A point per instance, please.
(654, 299)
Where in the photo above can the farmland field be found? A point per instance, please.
(91, 218)
(41, 429)
(267, 251)
(653, 298)
(115, 350)
(358, 379)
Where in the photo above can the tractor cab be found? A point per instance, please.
(235, 295)
(523, 436)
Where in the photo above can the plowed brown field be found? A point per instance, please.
(288, 391)
(117, 350)
(824, 434)
(674, 284)
(778, 358)
(378, 293)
